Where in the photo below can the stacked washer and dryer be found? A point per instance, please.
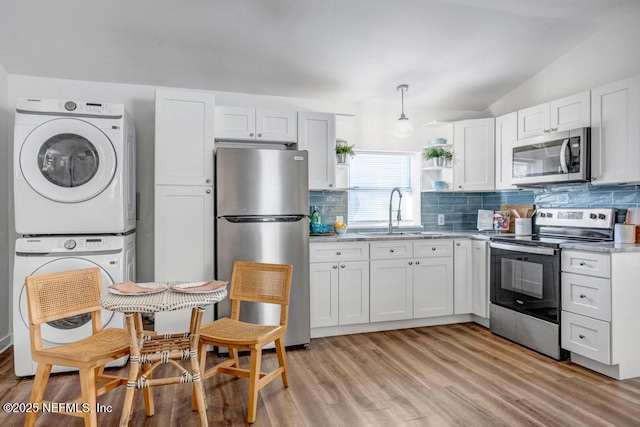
(75, 207)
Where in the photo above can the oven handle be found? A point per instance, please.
(523, 248)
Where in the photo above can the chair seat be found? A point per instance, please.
(230, 332)
(104, 344)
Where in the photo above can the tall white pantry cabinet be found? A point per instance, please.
(184, 196)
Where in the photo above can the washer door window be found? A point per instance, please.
(73, 328)
(68, 160)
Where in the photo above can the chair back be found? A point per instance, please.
(59, 295)
(259, 282)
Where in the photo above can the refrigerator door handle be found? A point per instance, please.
(263, 218)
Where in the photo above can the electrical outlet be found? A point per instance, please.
(440, 219)
(339, 218)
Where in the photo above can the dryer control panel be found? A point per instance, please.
(44, 245)
(68, 107)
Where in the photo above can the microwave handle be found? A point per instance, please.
(563, 156)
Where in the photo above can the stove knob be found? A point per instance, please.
(549, 215)
(593, 216)
(543, 215)
(602, 216)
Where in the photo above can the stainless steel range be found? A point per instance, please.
(525, 275)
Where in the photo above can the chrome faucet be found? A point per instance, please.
(391, 209)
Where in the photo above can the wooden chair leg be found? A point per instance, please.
(254, 376)
(37, 392)
(88, 387)
(282, 360)
(233, 354)
(202, 359)
(147, 394)
(198, 390)
(129, 394)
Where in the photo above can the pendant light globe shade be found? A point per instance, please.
(403, 128)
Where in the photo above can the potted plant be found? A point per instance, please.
(343, 149)
(439, 154)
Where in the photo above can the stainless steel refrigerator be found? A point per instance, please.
(262, 205)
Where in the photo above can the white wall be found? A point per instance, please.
(139, 100)
(5, 282)
(607, 56)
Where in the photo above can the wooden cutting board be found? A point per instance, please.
(521, 209)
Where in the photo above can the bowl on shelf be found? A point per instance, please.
(438, 140)
(439, 185)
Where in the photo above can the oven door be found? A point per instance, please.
(526, 279)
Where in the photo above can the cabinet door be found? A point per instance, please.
(324, 294)
(316, 134)
(473, 145)
(462, 277)
(354, 292)
(276, 125)
(533, 121)
(506, 135)
(184, 137)
(480, 274)
(571, 112)
(391, 293)
(183, 233)
(615, 132)
(432, 287)
(235, 123)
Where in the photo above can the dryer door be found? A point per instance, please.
(71, 329)
(68, 160)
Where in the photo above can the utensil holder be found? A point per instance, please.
(523, 226)
(624, 233)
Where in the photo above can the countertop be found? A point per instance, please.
(604, 247)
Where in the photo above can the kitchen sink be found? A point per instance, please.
(399, 233)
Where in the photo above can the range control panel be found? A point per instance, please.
(576, 217)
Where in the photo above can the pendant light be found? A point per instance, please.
(403, 128)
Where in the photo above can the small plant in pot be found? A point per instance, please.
(343, 149)
(440, 155)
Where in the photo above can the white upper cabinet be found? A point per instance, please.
(555, 116)
(251, 124)
(506, 135)
(317, 135)
(184, 138)
(615, 132)
(474, 155)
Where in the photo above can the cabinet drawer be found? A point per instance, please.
(587, 295)
(432, 248)
(331, 252)
(586, 336)
(391, 250)
(592, 264)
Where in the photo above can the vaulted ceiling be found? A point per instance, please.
(457, 54)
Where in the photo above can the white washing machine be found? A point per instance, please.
(114, 255)
(74, 168)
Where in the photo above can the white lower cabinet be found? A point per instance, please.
(480, 274)
(391, 290)
(340, 284)
(432, 287)
(463, 277)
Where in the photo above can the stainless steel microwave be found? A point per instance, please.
(555, 158)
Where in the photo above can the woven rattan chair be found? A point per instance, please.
(254, 282)
(57, 296)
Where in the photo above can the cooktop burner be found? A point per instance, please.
(551, 242)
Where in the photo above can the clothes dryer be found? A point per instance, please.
(74, 168)
(113, 255)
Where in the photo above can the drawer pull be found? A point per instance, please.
(392, 250)
(520, 302)
(417, 262)
(583, 296)
(410, 263)
(342, 266)
(458, 244)
(581, 336)
(433, 249)
(338, 253)
(582, 263)
(335, 266)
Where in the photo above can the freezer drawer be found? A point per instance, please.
(269, 242)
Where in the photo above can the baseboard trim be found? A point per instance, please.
(5, 343)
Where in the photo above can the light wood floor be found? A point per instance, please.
(435, 376)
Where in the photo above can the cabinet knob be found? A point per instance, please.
(335, 266)
(582, 263)
(554, 129)
(581, 336)
(208, 191)
(208, 181)
(546, 130)
(459, 186)
(583, 296)
(330, 185)
(338, 253)
(417, 262)
(593, 178)
(410, 262)
(251, 134)
(342, 266)
(458, 244)
(433, 249)
(392, 250)
(259, 135)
